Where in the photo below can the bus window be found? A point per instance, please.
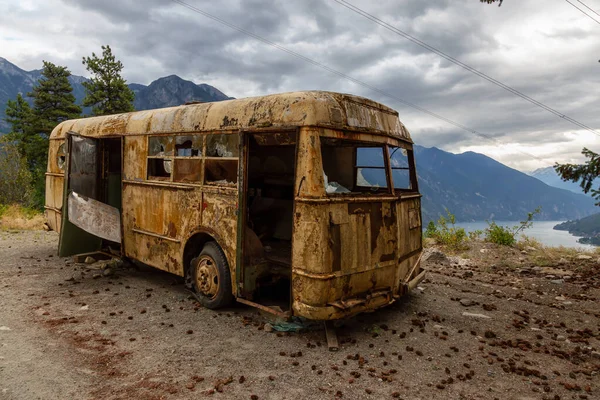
(400, 168)
(370, 167)
(160, 146)
(221, 161)
(160, 152)
(188, 146)
(188, 161)
(352, 167)
(60, 157)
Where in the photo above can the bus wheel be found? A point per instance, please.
(211, 278)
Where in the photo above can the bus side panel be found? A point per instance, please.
(220, 217)
(134, 158)
(150, 226)
(409, 232)
(158, 220)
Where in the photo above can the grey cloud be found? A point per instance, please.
(159, 37)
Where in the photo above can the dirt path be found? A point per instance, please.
(65, 332)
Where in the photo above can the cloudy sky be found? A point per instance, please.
(549, 52)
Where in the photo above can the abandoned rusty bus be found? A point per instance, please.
(302, 203)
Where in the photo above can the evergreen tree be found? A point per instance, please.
(53, 102)
(53, 99)
(586, 173)
(107, 91)
(18, 115)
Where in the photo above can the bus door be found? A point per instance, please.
(86, 220)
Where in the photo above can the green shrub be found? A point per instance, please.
(431, 230)
(505, 236)
(475, 235)
(446, 233)
(499, 234)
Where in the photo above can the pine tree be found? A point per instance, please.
(53, 102)
(18, 115)
(53, 99)
(107, 91)
(586, 173)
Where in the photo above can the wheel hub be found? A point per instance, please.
(207, 276)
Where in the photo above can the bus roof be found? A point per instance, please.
(286, 110)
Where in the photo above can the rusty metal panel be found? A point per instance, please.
(54, 191)
(134, 158)
(151, 226)
(95, 217)
(414, 218)
(311, 108)
(309, 169)
(310, 251)
(158, 220)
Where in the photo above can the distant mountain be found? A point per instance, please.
(475, 187)
(173, 91)
(163, 92)
(549, 176)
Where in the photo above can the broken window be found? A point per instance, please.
(226, 145)
(188, 146)
(221, 162)
(160, 153)
(159, 169)
(351, 167)
(400, 168)
(188, 161)
(178, 157)
(60, 157)
(160, 146)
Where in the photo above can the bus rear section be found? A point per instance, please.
(357, 223)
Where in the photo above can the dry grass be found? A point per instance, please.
(16, 217)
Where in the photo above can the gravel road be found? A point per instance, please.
(471, 331)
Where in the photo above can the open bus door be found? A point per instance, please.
(85, 220)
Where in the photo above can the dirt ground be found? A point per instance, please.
(500, 325)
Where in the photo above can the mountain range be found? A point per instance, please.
(472, 186)
(475, 187)
(163, 92)
(549, 176)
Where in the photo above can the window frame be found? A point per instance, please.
(201, 158)
(384, 168)
(216, 158)
(364, 190)
(411, 168)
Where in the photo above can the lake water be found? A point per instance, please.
(540, 230)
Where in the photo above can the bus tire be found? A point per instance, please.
(211, 278)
